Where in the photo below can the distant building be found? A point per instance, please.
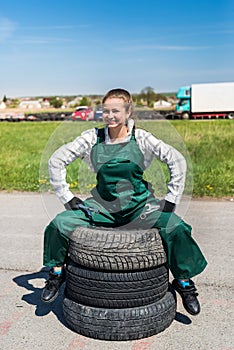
(2, 105)
(30, 104)
(45, 103)
(75, 102)
(162, 104)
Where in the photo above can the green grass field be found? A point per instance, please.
(207, 145)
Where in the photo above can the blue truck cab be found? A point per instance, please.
(183, 107)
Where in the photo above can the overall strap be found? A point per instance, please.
(133, 133)
(100, 134)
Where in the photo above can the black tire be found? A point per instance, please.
(112, 249)
(120, 324)
(115, 289)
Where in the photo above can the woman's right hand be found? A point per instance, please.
(73, 203)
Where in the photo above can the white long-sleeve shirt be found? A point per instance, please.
(149, 145)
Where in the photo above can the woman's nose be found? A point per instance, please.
(111, 114)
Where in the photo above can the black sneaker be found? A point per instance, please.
(51, 289)
(189, 296)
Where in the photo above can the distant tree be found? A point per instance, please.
(97, 102)
(4, 98)
(160, 97)
(84, 101)
(56, 102)
(148, 95)
(14, 103)
(147, 90)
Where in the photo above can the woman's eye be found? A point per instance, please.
(113, 111)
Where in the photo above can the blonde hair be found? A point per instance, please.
(120, 93)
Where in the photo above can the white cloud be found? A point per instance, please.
(7, 28)
(41, 40)
(59, 27)
(164, 48)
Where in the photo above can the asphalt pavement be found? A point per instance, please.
(27, 323)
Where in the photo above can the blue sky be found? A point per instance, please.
(87, 47)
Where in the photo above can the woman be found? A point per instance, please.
(119, 154)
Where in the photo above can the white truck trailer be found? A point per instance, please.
(210, 100)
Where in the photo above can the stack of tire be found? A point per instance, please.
(117, 285)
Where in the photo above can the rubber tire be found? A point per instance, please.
(112, 249)
(116, 289)
(120, 324)
(185, 116)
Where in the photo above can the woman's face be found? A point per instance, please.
(115, 112)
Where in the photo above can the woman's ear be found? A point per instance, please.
(129, 109)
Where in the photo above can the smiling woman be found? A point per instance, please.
(117, 108)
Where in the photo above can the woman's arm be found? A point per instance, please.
(176, 163)
(65, 155)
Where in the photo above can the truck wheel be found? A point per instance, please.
(231, 116)
(120, 324)
(185, 116)
(112, 249)
(115, 289)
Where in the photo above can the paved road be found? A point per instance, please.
(26, 323)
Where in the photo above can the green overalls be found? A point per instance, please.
(123, 197)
